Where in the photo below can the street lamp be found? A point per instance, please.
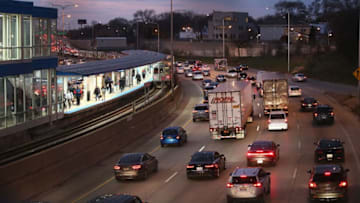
(172, 47)
(329, 36)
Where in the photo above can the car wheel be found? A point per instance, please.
(229, 199)
(269, 188)
(162, 145)
(194, 120)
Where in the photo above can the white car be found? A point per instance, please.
(188, 73)
(299, 77)
(178, 63)
(277, 121)
(186, 67)
(205, 68)
(294, 91)
(198, 75)
(179, 69)
(231, 73)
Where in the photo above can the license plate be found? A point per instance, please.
(242, 189)
(260, 161)
(329, 156)
(323, 117)
(169, 137)
(226, 131)
(199, 168)
(126, 169)
(309, 105)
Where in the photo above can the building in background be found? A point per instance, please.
(187, 33)
(278, 32)
(28, 61)
(236, 26)
(110, 43)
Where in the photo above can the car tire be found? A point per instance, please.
(156, 168)
(162, 145)
(229, 199)
(262, 199)
(194, 120)
(269, 188)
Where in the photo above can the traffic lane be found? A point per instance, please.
(81, 184)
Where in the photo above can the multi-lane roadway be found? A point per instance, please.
(289, 178)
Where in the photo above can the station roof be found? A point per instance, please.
(132, 59)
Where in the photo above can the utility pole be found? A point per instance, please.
(288, 42)
(137, 35)
(172, 50)
(223, 36)
(158, 42)
(359, 57)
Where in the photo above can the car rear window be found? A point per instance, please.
(232, 71)
(309, 100)
(202, 157)
(244, 180)
(201, 108)
(277, 116)
(331, 178)
(329, 144)
(131, 158)
(324, 109)
(198, 72)
(170, 132)
(294, 88)
(257, 146)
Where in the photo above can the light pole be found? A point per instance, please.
(288, 14)
(172, 48)
(329, 36)
(223, 36)
(158, 34)
(359, 58)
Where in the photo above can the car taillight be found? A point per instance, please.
(117, 167)
(327, 173)
(343, 184)
(213, 130)
(339, 151)
(229, 185)
(320, 152)
(332, 113)
(269, 121)
(303, 104)
(316, 114)
(211, 166)
(237, 129)
(286, 120)
(136, 167)
(161, 137)
(258, 184)
(285, 107)
(195, 111)
(315, 103)
(190, 166)
(178, 137)
(312, 185)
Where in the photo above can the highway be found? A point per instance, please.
(289, 179)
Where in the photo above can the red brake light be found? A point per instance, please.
(136, 167)
(343, 184)
(206, 111)
(315, 114)
(161, 137)
(327, 173)
(259, 151)
(243, 176)
(195, 111)
(190, 166)
(178, 137)
(229, 185)
(117, 167)
(312, 185)
(286, 120)
(258, 184)
(332, 113)
(304, 104)
(315, 103)
(211, 166)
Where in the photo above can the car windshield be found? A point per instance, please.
(309, 100)
(201, 108)
(202, 157)
(244, 180)
(170, 132)
(197, 73)
(331, 178)
(277, 116)
(221, 76)
(294, 88)
(130, 158)
(207, 81)
(300, 75)
(329, 144)
(324, 109)
(232, 71)
(264, 145)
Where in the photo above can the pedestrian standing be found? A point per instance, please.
(69, 98)
(78, 95)
(103, 90)
(97, 93)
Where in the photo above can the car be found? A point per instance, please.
(252, 80)
(323, 114)
(220, 78)
(299, 77)
(277, 121)
(248, 184)
(179, 63)
(206, 82)
(329, 150)
(214, 84)
(231, 73)
(308, 103)
(206, 89)
(179, 69)
(205, 164)
(186, 67)
(200, 112)
(188, 73)
(118, 198)
(244, 67)
(242, 76)
(197, 75)
(205, 68)
(206, 72)
(328, 183)
(135, 166)
(263, 152)
(173, 136)
(294, 91)
(81, 61)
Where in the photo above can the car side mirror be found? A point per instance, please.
(347, 170)
(268, 173)
(308, 171)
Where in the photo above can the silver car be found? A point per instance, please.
(201, 112)
(248, 184)
(197, 75)
(188, 73)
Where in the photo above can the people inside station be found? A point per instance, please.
(97, 93)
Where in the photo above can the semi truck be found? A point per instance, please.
(274, 90)
(230, 109)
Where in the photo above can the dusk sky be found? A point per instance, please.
(105, 10)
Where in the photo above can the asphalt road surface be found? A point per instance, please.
(289, 179)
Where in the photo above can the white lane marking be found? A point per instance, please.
(172, 176)
(259, 115)
(202, 148)
(294, 174)
(299, 145)
(352, 146)
(258, 128)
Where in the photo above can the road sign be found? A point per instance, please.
(356, 73)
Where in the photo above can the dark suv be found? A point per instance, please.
(205, 163)
(329, 150)
(328, 183)
(113, 198)
(308, 103)
(323, 114)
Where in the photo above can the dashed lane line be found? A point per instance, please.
(171, 177)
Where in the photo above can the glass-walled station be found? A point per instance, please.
(28, 83)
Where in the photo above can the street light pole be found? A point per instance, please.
(172, 49)
(288, 42)
(223, 36)
(137, 35)
(359, 58)
(158, 44)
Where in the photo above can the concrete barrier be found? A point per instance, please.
(41, 172)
